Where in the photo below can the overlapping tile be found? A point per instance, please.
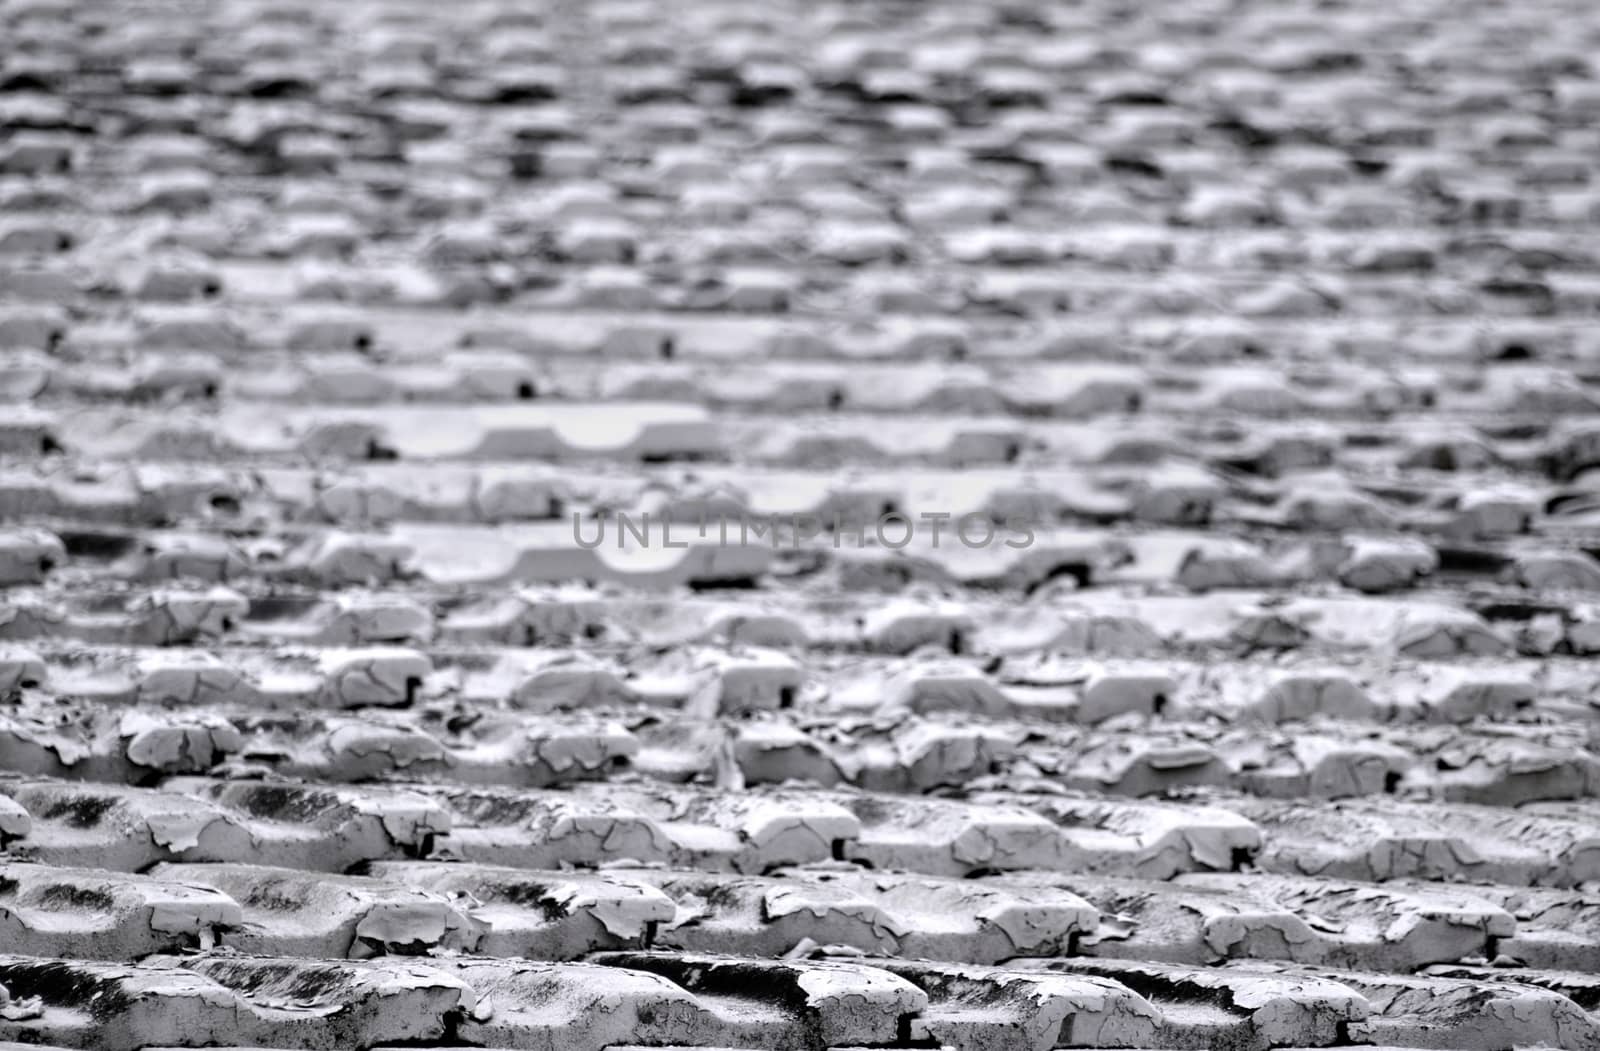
(320, 329)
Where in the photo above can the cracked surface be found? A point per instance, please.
(327, 332)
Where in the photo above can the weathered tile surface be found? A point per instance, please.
(328, 330)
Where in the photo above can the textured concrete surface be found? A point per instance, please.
(329, 332)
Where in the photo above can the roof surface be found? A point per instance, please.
(328, 332)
